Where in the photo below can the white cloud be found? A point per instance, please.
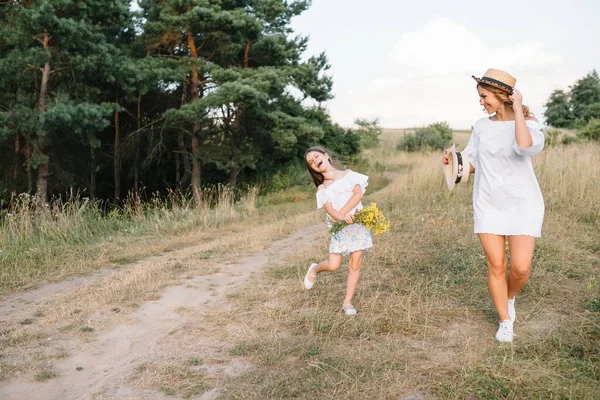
(445, 47)
(429, 78)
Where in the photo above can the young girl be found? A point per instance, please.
(507, 201)
(340, 193)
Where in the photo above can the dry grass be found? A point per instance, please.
(74, 237)
(425, 325)
(106, 301)
(173, 377)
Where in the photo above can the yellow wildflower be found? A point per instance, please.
(370, 217)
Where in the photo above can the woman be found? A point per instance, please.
(507, 201)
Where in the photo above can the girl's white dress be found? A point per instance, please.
(354, 237)
(507, 199)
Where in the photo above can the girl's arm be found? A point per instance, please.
(336, 215)
(357, 196)
(333, 213)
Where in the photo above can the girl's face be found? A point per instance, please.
(319, 162)
(489, 101)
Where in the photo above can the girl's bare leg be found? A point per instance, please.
(353, 274)
(331, 264)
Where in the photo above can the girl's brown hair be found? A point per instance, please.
(317, 177)
(502, 95)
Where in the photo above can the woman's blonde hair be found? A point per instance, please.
(502, 95)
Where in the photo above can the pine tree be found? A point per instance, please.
(57, 47)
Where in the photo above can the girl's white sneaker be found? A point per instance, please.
(505, 331)
(307, 283)
(512, 314)
(349, 309)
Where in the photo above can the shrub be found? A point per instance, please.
(368, 132)
(552, 137)
(566, 140)
(436, 136)
(443, 129)
(591, 131)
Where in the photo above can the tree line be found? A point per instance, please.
(577, 108)
(175, 95)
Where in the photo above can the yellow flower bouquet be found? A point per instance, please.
(370, 217)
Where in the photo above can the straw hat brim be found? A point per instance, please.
(451, 170)
(494, 83)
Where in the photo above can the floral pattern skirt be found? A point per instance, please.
(354, 237)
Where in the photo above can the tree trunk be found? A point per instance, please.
(187, 169)
(93, 166)
(15, 174)
(233, 174)
(196, 126)
(136, 158)
(237, 122)
(28, 167)
(116, 156)
(196, 168)
(247, 52)
(42, 147)
(177, 169)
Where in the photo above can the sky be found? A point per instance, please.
(409, 63)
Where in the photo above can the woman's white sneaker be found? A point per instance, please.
(505, 331)
(512, 314)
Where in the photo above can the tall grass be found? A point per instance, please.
(37, 243)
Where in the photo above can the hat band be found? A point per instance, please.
(460, 167)
(493, 81)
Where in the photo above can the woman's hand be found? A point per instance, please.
(445, 157)
(517, 100)
(349, 218)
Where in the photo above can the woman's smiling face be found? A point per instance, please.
(319, 162)
(488, 100)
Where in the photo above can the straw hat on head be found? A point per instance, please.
(497, 78)
(458, 168)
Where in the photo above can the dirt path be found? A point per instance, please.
(99, 369)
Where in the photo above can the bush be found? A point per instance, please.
(437, 136)
(566, 140)
(443, 129)
(591, 131)
(368, 131)
(552, 137)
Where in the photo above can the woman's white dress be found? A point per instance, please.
(507, 199)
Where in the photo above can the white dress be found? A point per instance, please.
(507, 199)
(354, 237)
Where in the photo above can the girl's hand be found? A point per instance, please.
(445, 157)
(349, 218)
(517, 100)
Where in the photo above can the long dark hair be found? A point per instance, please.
(317, 177)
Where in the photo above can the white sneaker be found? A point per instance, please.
(512, 314)
(349, 309)
(307, 283)
(505, 331)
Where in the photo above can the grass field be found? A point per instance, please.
(425, 324)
